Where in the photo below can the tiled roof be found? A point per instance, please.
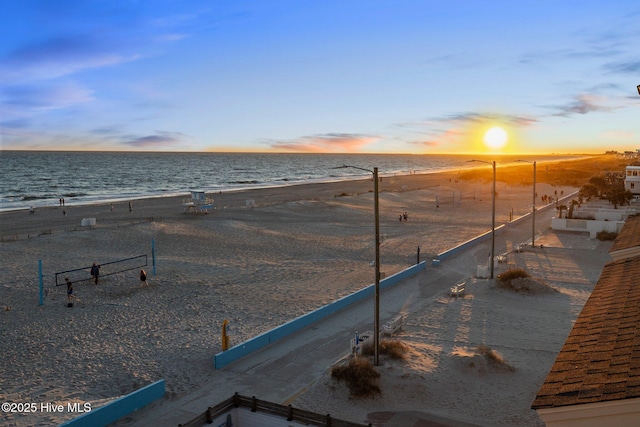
(629, 236)
(600, 361)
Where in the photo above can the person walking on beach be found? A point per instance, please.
(143, 278)
(130, 207)
(70, 295)
(95, 273)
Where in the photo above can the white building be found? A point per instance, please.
(632, 178)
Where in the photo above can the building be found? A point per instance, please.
(595, 379)
(632, 178)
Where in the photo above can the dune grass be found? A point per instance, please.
(360, 376)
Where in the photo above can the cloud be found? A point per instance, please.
(160, 139)
(582, 104)
(465, 119)
(58, 57)
(628, 67)
(24, 100)
(326, 143)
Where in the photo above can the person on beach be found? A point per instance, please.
(70, 295)
(130, 207)
(95, 273)
(143, 278)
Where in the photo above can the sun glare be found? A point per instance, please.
(495, 138)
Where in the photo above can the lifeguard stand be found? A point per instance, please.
(198, 203)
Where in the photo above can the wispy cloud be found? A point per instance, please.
(160, 139)
(625, 67)
(464, 119)
(58, 57)
(582, 104)
(326, 143)
(31, 98)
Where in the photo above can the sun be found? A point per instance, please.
(495, 138)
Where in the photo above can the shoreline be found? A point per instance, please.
(40, 203)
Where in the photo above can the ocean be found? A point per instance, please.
(41, 178)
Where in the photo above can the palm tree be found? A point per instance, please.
(561, 208)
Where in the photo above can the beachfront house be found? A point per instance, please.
(632, 178)
(595, 379)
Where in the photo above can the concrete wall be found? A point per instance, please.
(604, 214)
(224, 358)
(113, 411)
(586, 225)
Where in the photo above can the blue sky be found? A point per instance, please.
(320, 76)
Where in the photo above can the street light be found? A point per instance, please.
(533, 206)
(376, 331)
(493, 211)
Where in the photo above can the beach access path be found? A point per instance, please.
(289, 368)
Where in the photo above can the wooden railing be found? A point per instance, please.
(288, 413)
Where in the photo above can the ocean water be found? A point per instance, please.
(41, 178)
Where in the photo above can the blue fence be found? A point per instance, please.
(113, 411)
(224, 358)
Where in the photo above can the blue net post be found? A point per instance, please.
(153, 255)
(41, 282)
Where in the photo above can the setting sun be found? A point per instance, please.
(495, 138)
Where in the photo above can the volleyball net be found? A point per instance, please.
(83, 274)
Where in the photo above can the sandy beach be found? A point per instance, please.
(295, 250)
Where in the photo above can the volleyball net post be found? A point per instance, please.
(41, 282)
(153, 255)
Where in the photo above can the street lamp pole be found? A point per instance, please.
(533, 205)
(376, 208)
(376, 331)
(493, 212)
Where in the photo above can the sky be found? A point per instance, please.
(338, 76)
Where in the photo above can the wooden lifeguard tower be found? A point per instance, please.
(198, 203)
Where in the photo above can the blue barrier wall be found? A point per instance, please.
(224, 358)
(113, 411)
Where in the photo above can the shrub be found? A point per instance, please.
(606, 235)
(518, 280)
(493, 357)
(360, 376)
(514, 273)
(393, 348)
